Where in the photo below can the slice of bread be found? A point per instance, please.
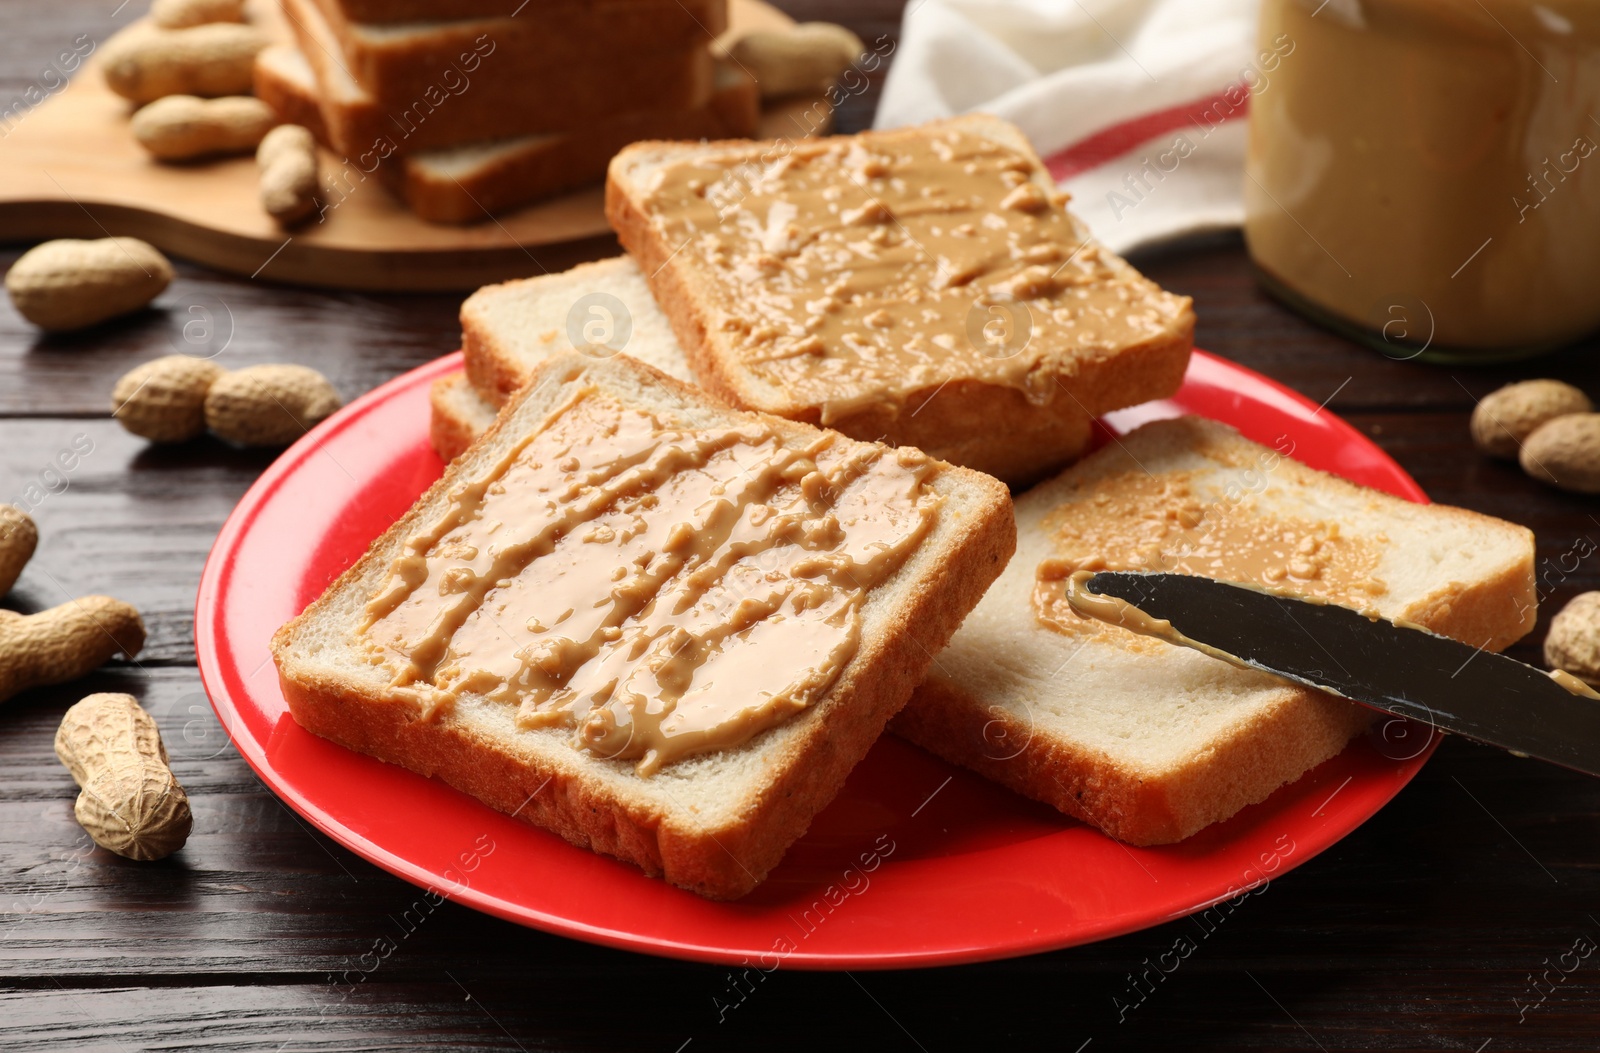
(716, 822)
(600, 308)
(1151, 742)
(472, 96)
(467, 183)
(284, 81)
(347, 119)
(459, 415)
(542, 43)
(508, 329)
(856, 282)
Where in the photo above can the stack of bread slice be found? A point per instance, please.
(465, 110)
(871, 290)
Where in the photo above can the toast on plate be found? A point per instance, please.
(660, 627)
(600, 308)
(924, 286)
(1152, 742)
(507, 330)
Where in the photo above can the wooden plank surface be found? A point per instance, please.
(1419, 931)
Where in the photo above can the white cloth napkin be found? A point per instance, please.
(1137, 106)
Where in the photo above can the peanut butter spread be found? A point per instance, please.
(849, 273)
(1136, 521)
(1573, 684)
(661, 590)
(1124, 615)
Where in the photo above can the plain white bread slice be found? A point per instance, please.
(714, 823)
(602, 308)
(1153, 742)
(508, 329)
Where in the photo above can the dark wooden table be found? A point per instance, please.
(1427, 928)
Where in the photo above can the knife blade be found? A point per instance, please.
(1400, 669)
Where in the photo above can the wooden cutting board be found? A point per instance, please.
(70, 168)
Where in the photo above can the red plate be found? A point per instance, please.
(915, 863)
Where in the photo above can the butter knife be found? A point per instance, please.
(1400, 669)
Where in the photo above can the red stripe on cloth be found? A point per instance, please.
(1118, 139)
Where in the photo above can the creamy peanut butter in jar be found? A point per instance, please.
(1422, 173)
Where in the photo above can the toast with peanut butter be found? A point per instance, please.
(1152, 742)
(659, 627)
(923, 286)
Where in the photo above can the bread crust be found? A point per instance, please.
(623, 817)
(293, 102)
(449, 432)
(1478, 616)
(1018, 441)
(491, 366)
(1300, 730)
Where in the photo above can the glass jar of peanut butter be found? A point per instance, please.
(1421, 174)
